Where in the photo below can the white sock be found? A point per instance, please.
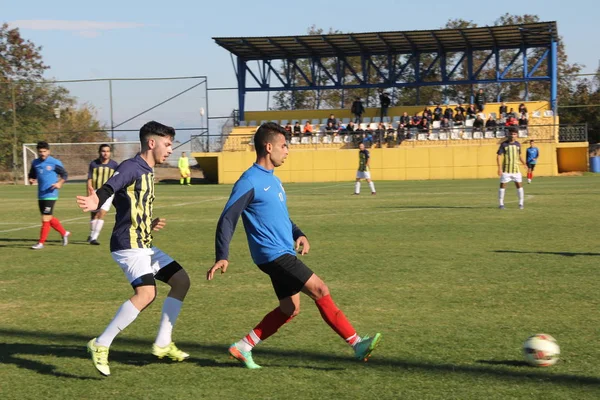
(501, 196)
(357, 187)
(521, 194)
(92, 227)
(372, 186)
(170, 312)
(244, 345)
(126, 314)
(97, 229)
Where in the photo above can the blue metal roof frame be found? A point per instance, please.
(539, 34)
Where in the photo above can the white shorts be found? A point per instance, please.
(363, 174)
(506, 177)
(139, 262)
(107, 203)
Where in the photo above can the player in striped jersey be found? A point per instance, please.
(131, 246)
(99, 171)
(508, 158)
(364, 161)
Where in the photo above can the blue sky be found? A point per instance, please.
(132, 39)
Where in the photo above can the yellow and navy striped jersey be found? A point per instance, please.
(363, 157)
(99, 173)
(133, 186)
(512, 156)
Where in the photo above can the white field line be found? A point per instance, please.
(86, 217)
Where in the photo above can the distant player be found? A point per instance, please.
(258, 196)
(184, 169)
(508, 157)
(364, 160)
(532, 155)
(131, 246)
(99, 171)
(50, 175)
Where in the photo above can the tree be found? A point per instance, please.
(28, 104)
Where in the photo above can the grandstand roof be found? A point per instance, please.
(539, 34)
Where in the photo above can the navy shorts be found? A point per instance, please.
(288, 275)
(531, 166)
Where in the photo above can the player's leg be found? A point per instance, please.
(357, 183)
(370, 182)
(135, 264)
(520, 191)
(55, 223)
(182, 177)
(98, 221)
(46, 208)
(335, 318)
(502, 191)
(173, 274)
(93, 221)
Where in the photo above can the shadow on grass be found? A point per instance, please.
(555, 253)
(9, 353)
(433, 207)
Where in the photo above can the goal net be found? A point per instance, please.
(76, 157)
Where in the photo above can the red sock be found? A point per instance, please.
(531, 175)
(55, 223)
(268, 326)
(336, 319)
(44, 231)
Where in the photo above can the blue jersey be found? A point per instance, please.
(133, 186)
(99, 173)
(259, 198)
(532, 154)
(47, 172)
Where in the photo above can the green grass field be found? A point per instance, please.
(454, 285)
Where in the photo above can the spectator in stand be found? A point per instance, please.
(333, 121)
(478, 123)
(511, 119)
(379, 133)
(424, 125)
(341, 128)
(329, 129)
(404, 122)
(297, 129)
(491, 124)
(350, 128)
(522, 108)
(503, 110)
(460, 108)
(449, 113)
(459, 119)
(357, 109)
(288, 131)
(511, 113)
(427, 114)
(480, 100)
(385, 101)
(308, 129)
(471, 111)
(438, 113)
(445, 124)
(523, 119)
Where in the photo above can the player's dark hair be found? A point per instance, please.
(42, 145)
(266, 133)
(155, 128)
(103, 146)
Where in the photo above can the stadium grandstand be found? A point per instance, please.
(408, 142)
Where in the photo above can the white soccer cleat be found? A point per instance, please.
(65, 239)
(37, 246)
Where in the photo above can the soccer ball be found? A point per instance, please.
(541, 350)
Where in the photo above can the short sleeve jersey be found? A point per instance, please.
(363, 157)
(512, 153)
(133, 186)
(532, 154)
(100, 173)
(47, 173)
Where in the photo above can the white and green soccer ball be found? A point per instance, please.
(541, 350)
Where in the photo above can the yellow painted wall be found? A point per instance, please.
(401, 163)
(572, 157)
(374, 111)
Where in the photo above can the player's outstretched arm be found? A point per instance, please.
(219, 265)
(88, 203)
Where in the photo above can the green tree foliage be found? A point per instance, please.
(35, 101)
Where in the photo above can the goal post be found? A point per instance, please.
(76, 157)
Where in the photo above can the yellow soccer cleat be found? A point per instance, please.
(99, 357)
(170, 351)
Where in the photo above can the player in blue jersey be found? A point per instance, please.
(131, 246)
(100, 170)
(508, 157)
(533, 154)
(50, 175)
(258, 196)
